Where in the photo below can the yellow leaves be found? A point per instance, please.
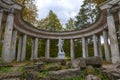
(29, 12)
(98, 1)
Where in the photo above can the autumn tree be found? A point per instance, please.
(51, 22)
(29, 11)
(98, 1)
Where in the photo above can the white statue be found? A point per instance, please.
(61, 53)
(60, 45)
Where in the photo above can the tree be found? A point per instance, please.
(87, 15)
(51, 22)
(30, 11)
(70, 25)
(98, 1)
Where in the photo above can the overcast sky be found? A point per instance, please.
(64, 9)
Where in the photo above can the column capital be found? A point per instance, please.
(108, 12)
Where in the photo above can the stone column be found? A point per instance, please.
(99, 47)
(47, 51)
(34, 48)
(19, 49)
(1, 16)
(13, 45)
(23, 55)
(72, 49)
(7, 38)
(84, 48)
(113, 39)
(95, 39)
(106, 46)
(119, 17)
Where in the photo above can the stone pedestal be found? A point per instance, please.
(61, 55)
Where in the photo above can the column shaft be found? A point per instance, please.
(119, 18)
(19, 49)
(24, 47)
(106, 46)
(1, 16)
(84, 48)
(13, 45)
(99, 47)
(72, 49)
(113, 39)
(47, 51)
(95, 39)
(7, 39)
(34, 48)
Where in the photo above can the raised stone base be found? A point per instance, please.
(61, 55)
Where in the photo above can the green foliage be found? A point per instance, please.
(53, 48)
(28, 48)
(77, 48)
(66, 48)
(5, 69)
(51, 22)
(43, 73)
(87, 15)
(20, 69)
(70, 25)
(41, 47)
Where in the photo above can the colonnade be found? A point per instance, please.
(11, 35)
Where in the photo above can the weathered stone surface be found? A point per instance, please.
(57, 75)
(92, 77)
(5, 65)
(113, 72)
(69, 64)
(12, 76)
(118, 67)
(94, 61)
(39, 67)
(54, 67)
(27, 68)
(90, 70)
(53, 60)
(79, 63)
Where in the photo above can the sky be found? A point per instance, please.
(64, 9)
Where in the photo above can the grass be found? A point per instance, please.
(5, 69)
